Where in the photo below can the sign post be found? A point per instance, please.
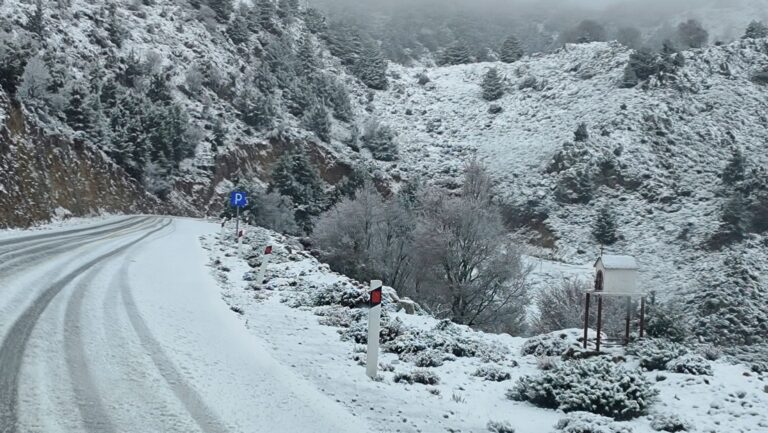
(264, 263)
(238, 199)
(374, 323)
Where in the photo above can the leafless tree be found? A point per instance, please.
(560, 307)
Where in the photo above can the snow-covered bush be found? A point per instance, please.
(654, 354)
(492, 373)
(500, 427)
(585, 422)
(595, 385)
(340, 293)
(429, 358)
(670, 423)
(547, 363)
(554, 343)
(690, 364)
(422, 376)
(340, 317)
(444, 338)
(358, 332)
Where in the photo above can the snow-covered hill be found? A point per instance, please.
(655, 153)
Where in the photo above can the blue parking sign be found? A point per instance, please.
(238, 199)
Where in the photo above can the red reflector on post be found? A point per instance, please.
(268, 250)
(375, 297)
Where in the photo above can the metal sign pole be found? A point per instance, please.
(237, 222)
(374, 325)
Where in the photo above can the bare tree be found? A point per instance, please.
(469, 269)
(560, 307)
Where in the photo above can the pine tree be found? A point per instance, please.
(267, 11)
(511, 51)
(295, 177)
(493, 85)
(344, 42)
(735, 169)
(219, 135)
(36, 20)
(315, 21)
(756, 30)
(692, 34)
(256, 109)
(456, 54)
(15, 53)
(307, 59)
(76, 111)
(288, 8)
(223, 9)
(629, 79)
(582, 133)
(604, 229)
(380, 140)
(298, 97)
(238, 31)
(158, 90)
(317, 121)
(115, 28)
(371, 68)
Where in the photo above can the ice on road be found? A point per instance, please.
(119, 327)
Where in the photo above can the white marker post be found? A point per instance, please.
(264, 263)
(374, 324)
(223, 223)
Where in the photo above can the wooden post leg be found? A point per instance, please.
(629, 318)
(642, 316)
(586, 321)
(599, 320)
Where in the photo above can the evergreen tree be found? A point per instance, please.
(692, 34)
(219, 135)
(158, 90)
(456, 54)
(735, 221)
(582, 133)
(307, 59)
(317, 121)
(36, 20)
(99, 132)
(256, 109)
(511, 51)
(288, 8)
(115, 28)
(371, 68)
(643, 63)
(295, 177)
(756, 30)
(76, 111)
(298, 97)
(380, 140)
(315, 21)
(493, 85)
(267, 11)
(14, 52)
(223, 9)
(629, 79)
(604, 229)
(735, 169)
(344, 42)
(238, 31)
(338, 96)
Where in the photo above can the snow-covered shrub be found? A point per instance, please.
(492, 373)
(595, 385)
(358, 332)
(447, 339)
(546, 363)
(670, 423)
(690, 364)
(585, 422)
(654, 354)
(500, 427)
(340, 293)
(422, 376)
(340, 317)
(667, 321)
(554, 343)
(429, 358)
(711, 353)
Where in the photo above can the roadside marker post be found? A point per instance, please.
(374, 325)
(264, 263)
(240, 236)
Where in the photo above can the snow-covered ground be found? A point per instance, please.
(282, 314)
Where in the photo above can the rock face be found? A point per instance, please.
(41, 176)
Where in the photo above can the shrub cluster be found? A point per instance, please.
(670, 423)
(594, 385)
(690, 364)
(654, 354)
(421, 376)
(492, 373)
(552, 344)
(585, 422)
(340, 293)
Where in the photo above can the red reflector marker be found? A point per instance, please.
(268, 250)
(376, 297)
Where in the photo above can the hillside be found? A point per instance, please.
(655, 153)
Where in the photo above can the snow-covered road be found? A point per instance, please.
(119, 327)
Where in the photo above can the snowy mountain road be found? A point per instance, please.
(119, 327)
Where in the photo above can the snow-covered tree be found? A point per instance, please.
(560, 306)
(511, 51)
(735, 169)
(77, 110)
(629, 79)
(36, 20)
(223, 9)
(582, 133)
(315, 21)
(257, 110)
(219, 135)
(307, 59)
(692, 34)
(318, 121)
(371, 67)
(492, 85)
(266, 15)
(15, 52)
(34, 82)
(114, 27)
(380, 140)
(756, 30)
(238, 30)
(295, 177)
(456, 54)
(604, 230)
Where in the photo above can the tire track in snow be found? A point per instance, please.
(22, 239)
(16, 340)
(205, 418)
